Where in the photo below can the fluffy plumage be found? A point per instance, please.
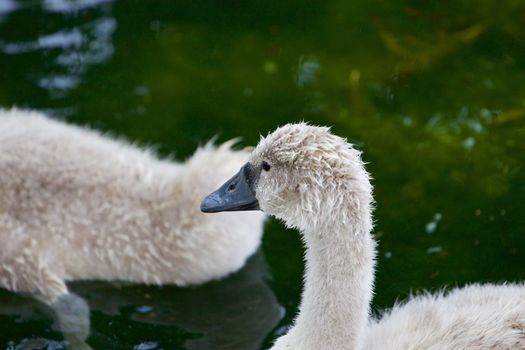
(317, 183)
(75, 205)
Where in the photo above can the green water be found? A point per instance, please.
(432, 92)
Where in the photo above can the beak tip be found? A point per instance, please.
(208, 205)
(204, 208)
(236, 194)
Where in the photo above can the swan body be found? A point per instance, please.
(77, 205)
(475, 317)
(316, 182)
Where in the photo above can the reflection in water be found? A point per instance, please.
(71, 5)
(306, 72)
(38, 343)
(69, 51)
(234, 314)
(6, 7)
(58, 40)
(464, 123)
(431, 227)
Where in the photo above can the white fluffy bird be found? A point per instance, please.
(77, 205)
(316, 182)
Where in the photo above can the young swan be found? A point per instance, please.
(316, 182)
(75, 205)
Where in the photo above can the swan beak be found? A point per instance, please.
(236, 194)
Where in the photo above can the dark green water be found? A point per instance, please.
(432, 92)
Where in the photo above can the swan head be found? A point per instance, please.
(300, 173)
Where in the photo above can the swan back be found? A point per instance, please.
(87, 206)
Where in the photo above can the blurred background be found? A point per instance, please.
(433, 93)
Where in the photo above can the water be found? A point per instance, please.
(433, 93)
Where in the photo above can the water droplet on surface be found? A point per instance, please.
(434, 250)
(247, 92)
(150, 345)
(144, 309)
(270, 67)
(140, 109)
(463, 113)
(306, 72)
(431, 227)
(355, 76)
(469, 143)
(154, 26)
(141, 90)
(407, 121)
(433, 121)
(486, 115)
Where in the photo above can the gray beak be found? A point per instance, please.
(236, 194)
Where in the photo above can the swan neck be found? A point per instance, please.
(338, 284)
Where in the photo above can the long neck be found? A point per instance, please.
(338, 282)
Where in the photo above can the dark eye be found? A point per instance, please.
(266, 166)
(232, 186)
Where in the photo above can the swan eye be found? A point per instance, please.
(232, 186)
(266, 166)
